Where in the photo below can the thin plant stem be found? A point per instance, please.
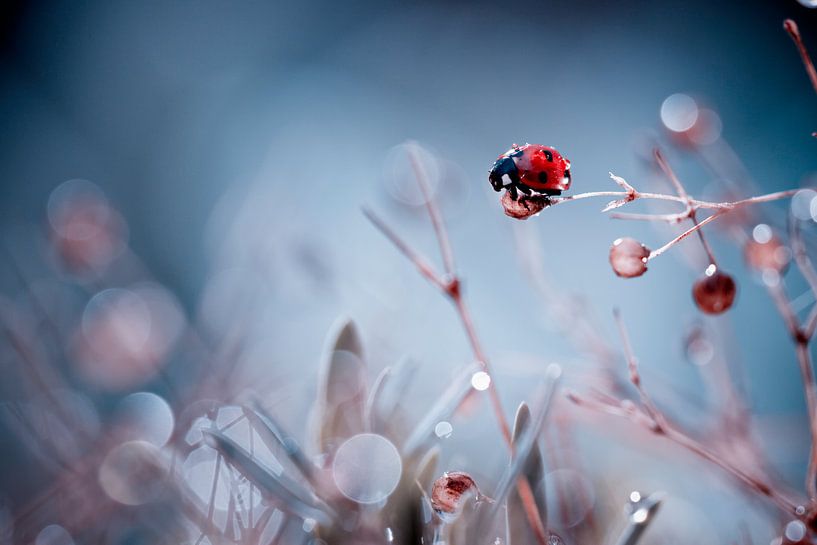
(612, 407)
(423, 266)
(802, 335)
(682, 236)
(780, 499)
(801, 257)
(635, 376)
(450, 286)
(810, 387)
(707, 248)
(794, 32)
(654, 420)
(691, 207)
(679, 187)
(696, 203)
(440, 231)
(465, 317)
(690, 211)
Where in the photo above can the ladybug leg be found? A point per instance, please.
(512, 191)
(526, 195)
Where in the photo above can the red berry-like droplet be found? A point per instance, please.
(523, 207)
(450, 489)
(628, 257)
(714, 293)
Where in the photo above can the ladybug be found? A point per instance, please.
(531, 169)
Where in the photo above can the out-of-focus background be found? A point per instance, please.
(217, 155)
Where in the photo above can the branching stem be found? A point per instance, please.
(449, 284)
(651, 417)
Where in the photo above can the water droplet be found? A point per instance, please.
(801, 204)
(628, 257)
(389, 535)
(639, 516)
(450, 489)
(443, 429)
(795, 531)
(770, 277)
(121, 315)
(54, 534)
(800, 510)
(87, 232)
(480, 380)
(126, 334)
(635, 496)
(679, 112)
(367, 468)
(710, 270)
(145, 416)
(762, 233)
(133, 473)
(309, 525)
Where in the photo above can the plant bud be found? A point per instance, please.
(523, 207)
(714, 293)
(628, 257)
(450, 489)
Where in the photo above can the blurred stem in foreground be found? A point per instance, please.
(449, 284)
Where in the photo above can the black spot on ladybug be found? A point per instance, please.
(543, 177)
(549, 155)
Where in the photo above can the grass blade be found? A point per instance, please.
(267, 482)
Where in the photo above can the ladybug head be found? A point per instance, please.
(504, 166)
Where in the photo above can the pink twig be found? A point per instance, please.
(450, 286)
(810, 387)
(635, 377)
(654, 420)
(707, 248)
(638, 417)
(691, 207)
(682, 236)
(425, 268)
(679, 187)
(433, 212)
(794, 32)
(802, 336)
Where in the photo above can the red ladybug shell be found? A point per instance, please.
(541, 168)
